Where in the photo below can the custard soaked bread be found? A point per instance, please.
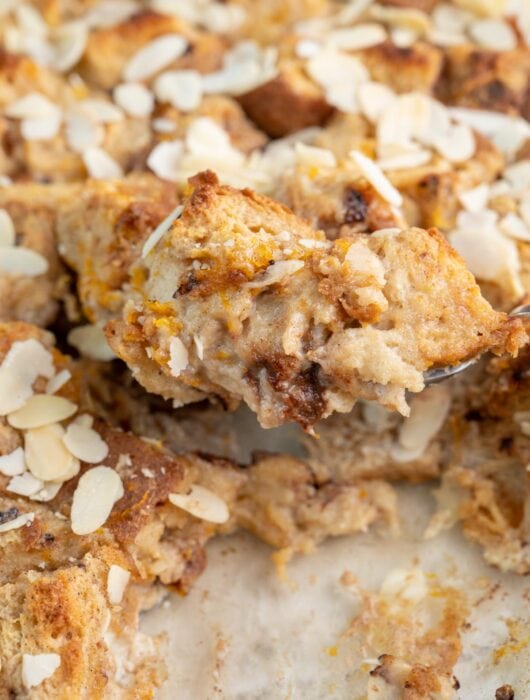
(90, 515)
(242, 300)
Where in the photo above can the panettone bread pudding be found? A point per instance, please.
(301, 206)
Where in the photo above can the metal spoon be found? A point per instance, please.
(433, 376)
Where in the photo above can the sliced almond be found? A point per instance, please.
(202, 503)
(360, 36)
(165, 159)
(41, 409)
(493, 34)
(91, 342)
(36, 668)
(135, 99)
(154, 57)
(101, 111)
(34, 104)
(182, 89)
(97, 491)
(314, 157)
(13, 463)
(7, 229)
(69, 42)
(161, 230)
(42, 128)
(276, 272)
(19, 521)
(100, 165)
(82, 131)
(117, 581)
(25, 484)
(58, 381)
(22, 261)
(85, 443)
(25, 361)
(513, 226)
(374, 99)
(49, 490)
(375, 176)
(178, 356)
(46, 455)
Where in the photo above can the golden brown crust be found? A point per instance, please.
(109, 49)
(482, 79)
(287, 103)
(189, 283)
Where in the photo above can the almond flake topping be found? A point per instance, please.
(178, 357)
(375, 176)
(117, 581)
(25, 484)
(276, 272)
(202, 503)
(361, 36)
(154, 56)
(91, 342)
(46, 455)
(82, 131)
(164, 160)
(100, 165)
(85, 443)
(134, 98)
(7, 229)
(182, 89)
(12, 464)
(36, 668)
(493, 34)
(19, 521)
(34, 104)
(22, 261)
(25, 361)
(97, 491)
(160, 231)
(58, 381)
(41, 409)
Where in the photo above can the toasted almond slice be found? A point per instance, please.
(100, 165)
(58, 381)
(312, 156)
(360, 36)
(427, 415)
(276, 272)
(494, 34)
(82, 131)
(476, 198)
(85, 443)
(117, 581)
(202, 503)
(457, 144)
(160, 231)
(154, 56)
(135, 99)
(164, 160)
(22, 261)
(374, 98)
(41, 409)
(101, 111)
(178, 356)
(97, 491)
(46, 455)
(41, 128)
(513, 226)
(19, 521)
(25, 361)
(36, 668)
(7, 229)
(49, 490)
(375, 176)
(25, 484)
(69, 42)
(13, 463)
(34, 104)
(182, 89)
(91, 342)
